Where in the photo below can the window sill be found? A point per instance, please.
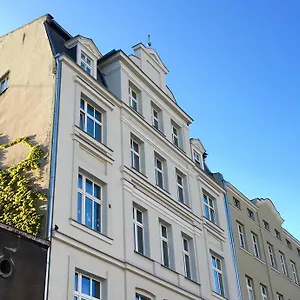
(191, 279)
(218, 296)
(274, 269)
(260, 260)
(162, 189)
(90, 231)
(139, 173)
(213, 225)
(137, 112)
(179, 148)
(184, 205)
(143, 255)
(168, 268)
(245, 250)
(159, 131)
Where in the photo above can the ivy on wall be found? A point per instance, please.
(18, 201)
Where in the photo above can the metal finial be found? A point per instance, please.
(149, 41)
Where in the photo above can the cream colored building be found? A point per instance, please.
(268, 256)
(133, 211)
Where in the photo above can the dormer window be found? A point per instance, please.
(86, 63)
(197, 159)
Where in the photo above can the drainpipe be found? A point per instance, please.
(53, 170)
(233, 250)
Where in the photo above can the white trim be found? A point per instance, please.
(78, 293)
(136, 225)
(255, 244)
(186, 257)
(135, 154)
(164, 239)
(249, 286)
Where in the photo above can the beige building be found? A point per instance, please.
(268, 256)
(133, 211)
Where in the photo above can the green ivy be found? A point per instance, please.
(18, 201)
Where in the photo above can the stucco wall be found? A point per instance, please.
(27, 104)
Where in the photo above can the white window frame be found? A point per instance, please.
(283, 264)
(180, 187)
(3, 84)
(86, 63)
(133, 102)
(84, 194)
(78, 294)
(165, 240)
(175, 136)
(210, 204)
(264, 292)
(294, 271)
(134, 154)
(241, 233)
(160, 171)
(250, 289)
(271, 255)
(155, 119)
(255, 243)
(187, 257)
(197, 159)
(83, 119)
(217, 270)
(137, 224)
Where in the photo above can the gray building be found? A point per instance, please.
(136, 212)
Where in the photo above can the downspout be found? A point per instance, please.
(233, 250)
(53, 169)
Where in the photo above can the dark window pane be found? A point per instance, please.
(98, 132)
(97, 216)
(79, 181)
(89, 186)
(159, 179)
(185, 245)
(164, 231)
(221, 285)
(97, 191)
(205, 199)
(212, 216)
(206, 211)
(180, 195)
(216, 280)
(90, 127)
(88, 212)
(82, 104)
(187, 266)
(165, 254)
(76, 282)
(139, 216)
(88, 70)
(81, 121)
(79, 207)
(85, 285)
(96, 289)
(140, 240)
(158, 164)
(136, 163)
(98, 116)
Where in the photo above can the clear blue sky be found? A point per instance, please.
(234, 67)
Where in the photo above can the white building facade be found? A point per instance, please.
(136, 213)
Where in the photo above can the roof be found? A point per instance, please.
(58, 37)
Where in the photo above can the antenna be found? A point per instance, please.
(149, 41)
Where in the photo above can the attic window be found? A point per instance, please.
(86, 63)
(289, 244)
(237, 203)
(197, 159)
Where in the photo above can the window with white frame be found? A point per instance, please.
(283, 264)
(165, 250)
(3, 84)
(250, 288)
(157, 117)
(197, 159)
(279, 297)
(255, 245)
(209, 208)
(159, 172)
(266, 225)
(86, 288)
(218, 275)
(134, 98)
(294, 271)
(241, 233)
(86, 63)
(89, 203)
(264, 292)
(91, 120)
(141, 297)
(271, 256)
(135, 152)
(186, 243)
(180, 187)
(138, 230)
(175, 135)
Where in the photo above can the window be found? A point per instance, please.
(209, 210)
(237, 203)
(255, 245)
(89, 203)
(250, 213)
(197, 159)
(138, 230)
(294, 271)
(249, 284)
(86, 288)
(181, 187)
(155, 118)
(3, 84)
(159, 172)
(271, 256)
(91, 120)
(164, 235)
(277, 234)
(241, 233)
(140, 297)
(187, 257)
(218, 275)
(264, 292)
(279, 296)
(298, 251)
(135, 155)
(283, 264)
(175, 138)
(266, 225)
(86, 63)
(289, 244)
(134, 99)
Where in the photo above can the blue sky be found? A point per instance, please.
(234, 67)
